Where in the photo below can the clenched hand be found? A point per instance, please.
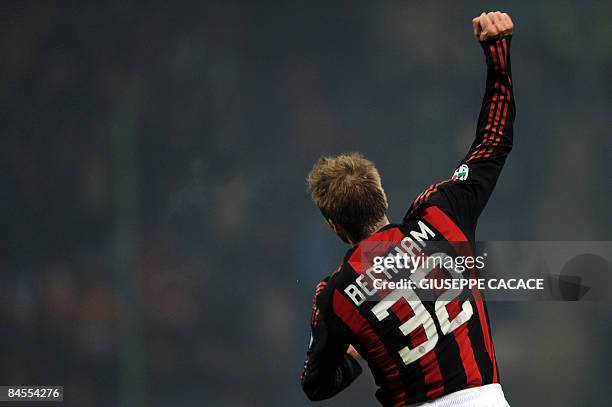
(492, 25)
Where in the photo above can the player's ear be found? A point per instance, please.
(339, 231)
(332, 225)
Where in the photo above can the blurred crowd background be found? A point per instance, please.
(158, 244)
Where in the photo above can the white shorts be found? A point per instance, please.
(490, 395)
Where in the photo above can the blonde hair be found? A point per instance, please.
(347, 190)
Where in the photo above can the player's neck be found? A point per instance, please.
(383, 222)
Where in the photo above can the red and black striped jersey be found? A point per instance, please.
(417, 349)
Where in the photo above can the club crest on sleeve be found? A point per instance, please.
(461, 173)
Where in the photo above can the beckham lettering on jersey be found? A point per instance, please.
(411, 245)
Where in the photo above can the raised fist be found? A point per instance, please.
(492, 25)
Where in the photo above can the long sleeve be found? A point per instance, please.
(328, 369)
(465, 194)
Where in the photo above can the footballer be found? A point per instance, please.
(418, 352)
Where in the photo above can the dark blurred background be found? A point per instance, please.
(158, 244)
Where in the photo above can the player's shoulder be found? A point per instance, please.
(339, 278)
(437, 193)
(445, 194)
(323, 287)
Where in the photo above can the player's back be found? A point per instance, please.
(417, 348)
